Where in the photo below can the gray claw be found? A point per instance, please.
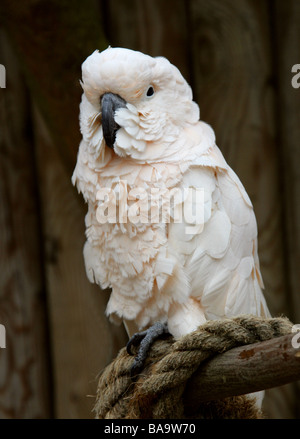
(145, 339)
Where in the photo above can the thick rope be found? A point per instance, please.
(157, 393)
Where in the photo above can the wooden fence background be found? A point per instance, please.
(237, 55)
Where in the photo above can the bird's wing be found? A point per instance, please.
(220, 256)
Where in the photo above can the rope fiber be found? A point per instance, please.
(157, 392)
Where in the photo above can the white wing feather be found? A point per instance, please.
(221, 261)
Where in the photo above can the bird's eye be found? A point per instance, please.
(150, 91)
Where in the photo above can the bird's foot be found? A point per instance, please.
(145, 340)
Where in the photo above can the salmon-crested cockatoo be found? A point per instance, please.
(171, 265)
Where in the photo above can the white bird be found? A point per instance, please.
(142, 137)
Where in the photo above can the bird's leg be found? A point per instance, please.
(145, 339)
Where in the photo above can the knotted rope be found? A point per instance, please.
(157, 392)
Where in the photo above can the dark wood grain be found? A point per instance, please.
(25, 380)
(287, 40)
(51, 40)
(155, 27)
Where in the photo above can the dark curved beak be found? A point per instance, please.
(110, 103)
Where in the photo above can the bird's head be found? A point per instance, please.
(133, 103)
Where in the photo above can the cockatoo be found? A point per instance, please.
(142, 138)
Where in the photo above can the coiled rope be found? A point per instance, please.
(157, 391)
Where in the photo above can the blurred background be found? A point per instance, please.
(237, 55)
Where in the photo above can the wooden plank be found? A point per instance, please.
(24, 369)
(151, 26)
(52, 39)
(233, 71)
(287, 37)
(83, 340)
(288, 40)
